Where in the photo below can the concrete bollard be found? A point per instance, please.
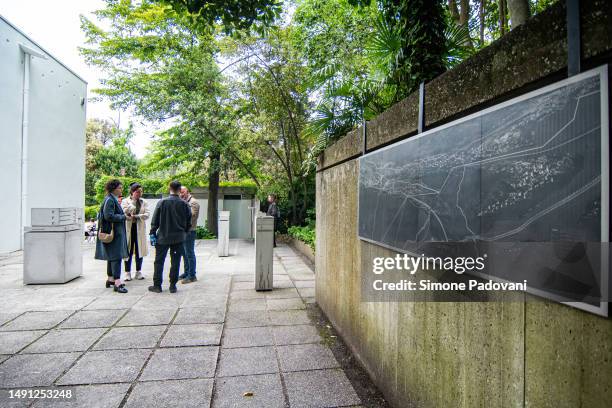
(264, 234)
(223, 239)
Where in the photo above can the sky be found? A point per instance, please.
(55, 26)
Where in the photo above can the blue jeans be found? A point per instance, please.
(189, 254)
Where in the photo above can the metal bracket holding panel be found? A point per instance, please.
(421, 123)
(573, 37)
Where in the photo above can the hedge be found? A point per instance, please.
(152, 186)
(305, 234)
(158, 186)
(91, 212)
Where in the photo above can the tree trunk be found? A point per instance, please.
(503, 23)
(481, 19)
(519, 12)
(454, 11)
(213, 193)
(464, 20)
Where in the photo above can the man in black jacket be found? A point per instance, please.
(169, 226)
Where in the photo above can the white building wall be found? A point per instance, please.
(56, 131)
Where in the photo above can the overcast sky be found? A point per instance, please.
(55, 26)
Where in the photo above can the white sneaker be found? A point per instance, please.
(139, 275)
(128, 276)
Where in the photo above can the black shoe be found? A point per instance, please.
(121, 289)
(109, 284)
(183, 276)
(173, 289)
(155, 289)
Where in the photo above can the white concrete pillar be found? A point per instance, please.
(223, 239)
(264, 235)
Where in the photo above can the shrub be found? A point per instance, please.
(203, 233)
(148, 185)
(91, 212)
(305, 234)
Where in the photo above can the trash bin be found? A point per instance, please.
(223, 227)
(264, 236)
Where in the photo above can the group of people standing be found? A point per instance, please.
(173, 229)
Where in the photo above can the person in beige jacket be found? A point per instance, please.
(136, 230)
(189, 275)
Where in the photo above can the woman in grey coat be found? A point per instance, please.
(113, 253)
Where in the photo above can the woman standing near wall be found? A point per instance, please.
(136, 230)
(112, 220)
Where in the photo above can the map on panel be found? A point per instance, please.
(527, 171)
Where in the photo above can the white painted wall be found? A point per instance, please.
(244, 219)
(56, 166)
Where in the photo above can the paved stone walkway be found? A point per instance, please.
(215, 343)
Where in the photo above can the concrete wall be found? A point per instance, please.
(427, 354)
(56, 154)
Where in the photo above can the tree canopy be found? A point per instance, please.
(256, 89)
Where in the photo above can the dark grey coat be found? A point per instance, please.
(111, 212)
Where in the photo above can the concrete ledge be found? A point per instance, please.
(398, 121)
(301, 248)
(348, 147)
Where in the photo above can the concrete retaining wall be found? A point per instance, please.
(537, 354)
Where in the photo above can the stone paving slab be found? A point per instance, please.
(92, 318)
(301, 357)
(181, 363)
(247, 319)
(5, 317)
(155, 301)
(282, 284)
(7, 402)
(12, 342)
(175, 394)
(299, 334)
(130, 338)
(267, 392)
(32, 370)
(306, 292)
(89, 396)
(284, 293)
(246, 294)
(200, 300)
(245, 361)
(97, 367)
(143, 317)
(305, 284)
(244, 277)
(246, 305)
(61, 341)
(36, 321)
(196, 315)
(193, 335)
(320, 388)
(247, 337)
(243, 286)
(288, 317)
(285, 304)
(113, 301)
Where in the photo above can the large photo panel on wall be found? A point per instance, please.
(524, 182)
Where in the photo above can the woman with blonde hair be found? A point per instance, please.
(135, 227)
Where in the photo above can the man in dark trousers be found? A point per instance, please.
(273, 211)
(169, 227)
